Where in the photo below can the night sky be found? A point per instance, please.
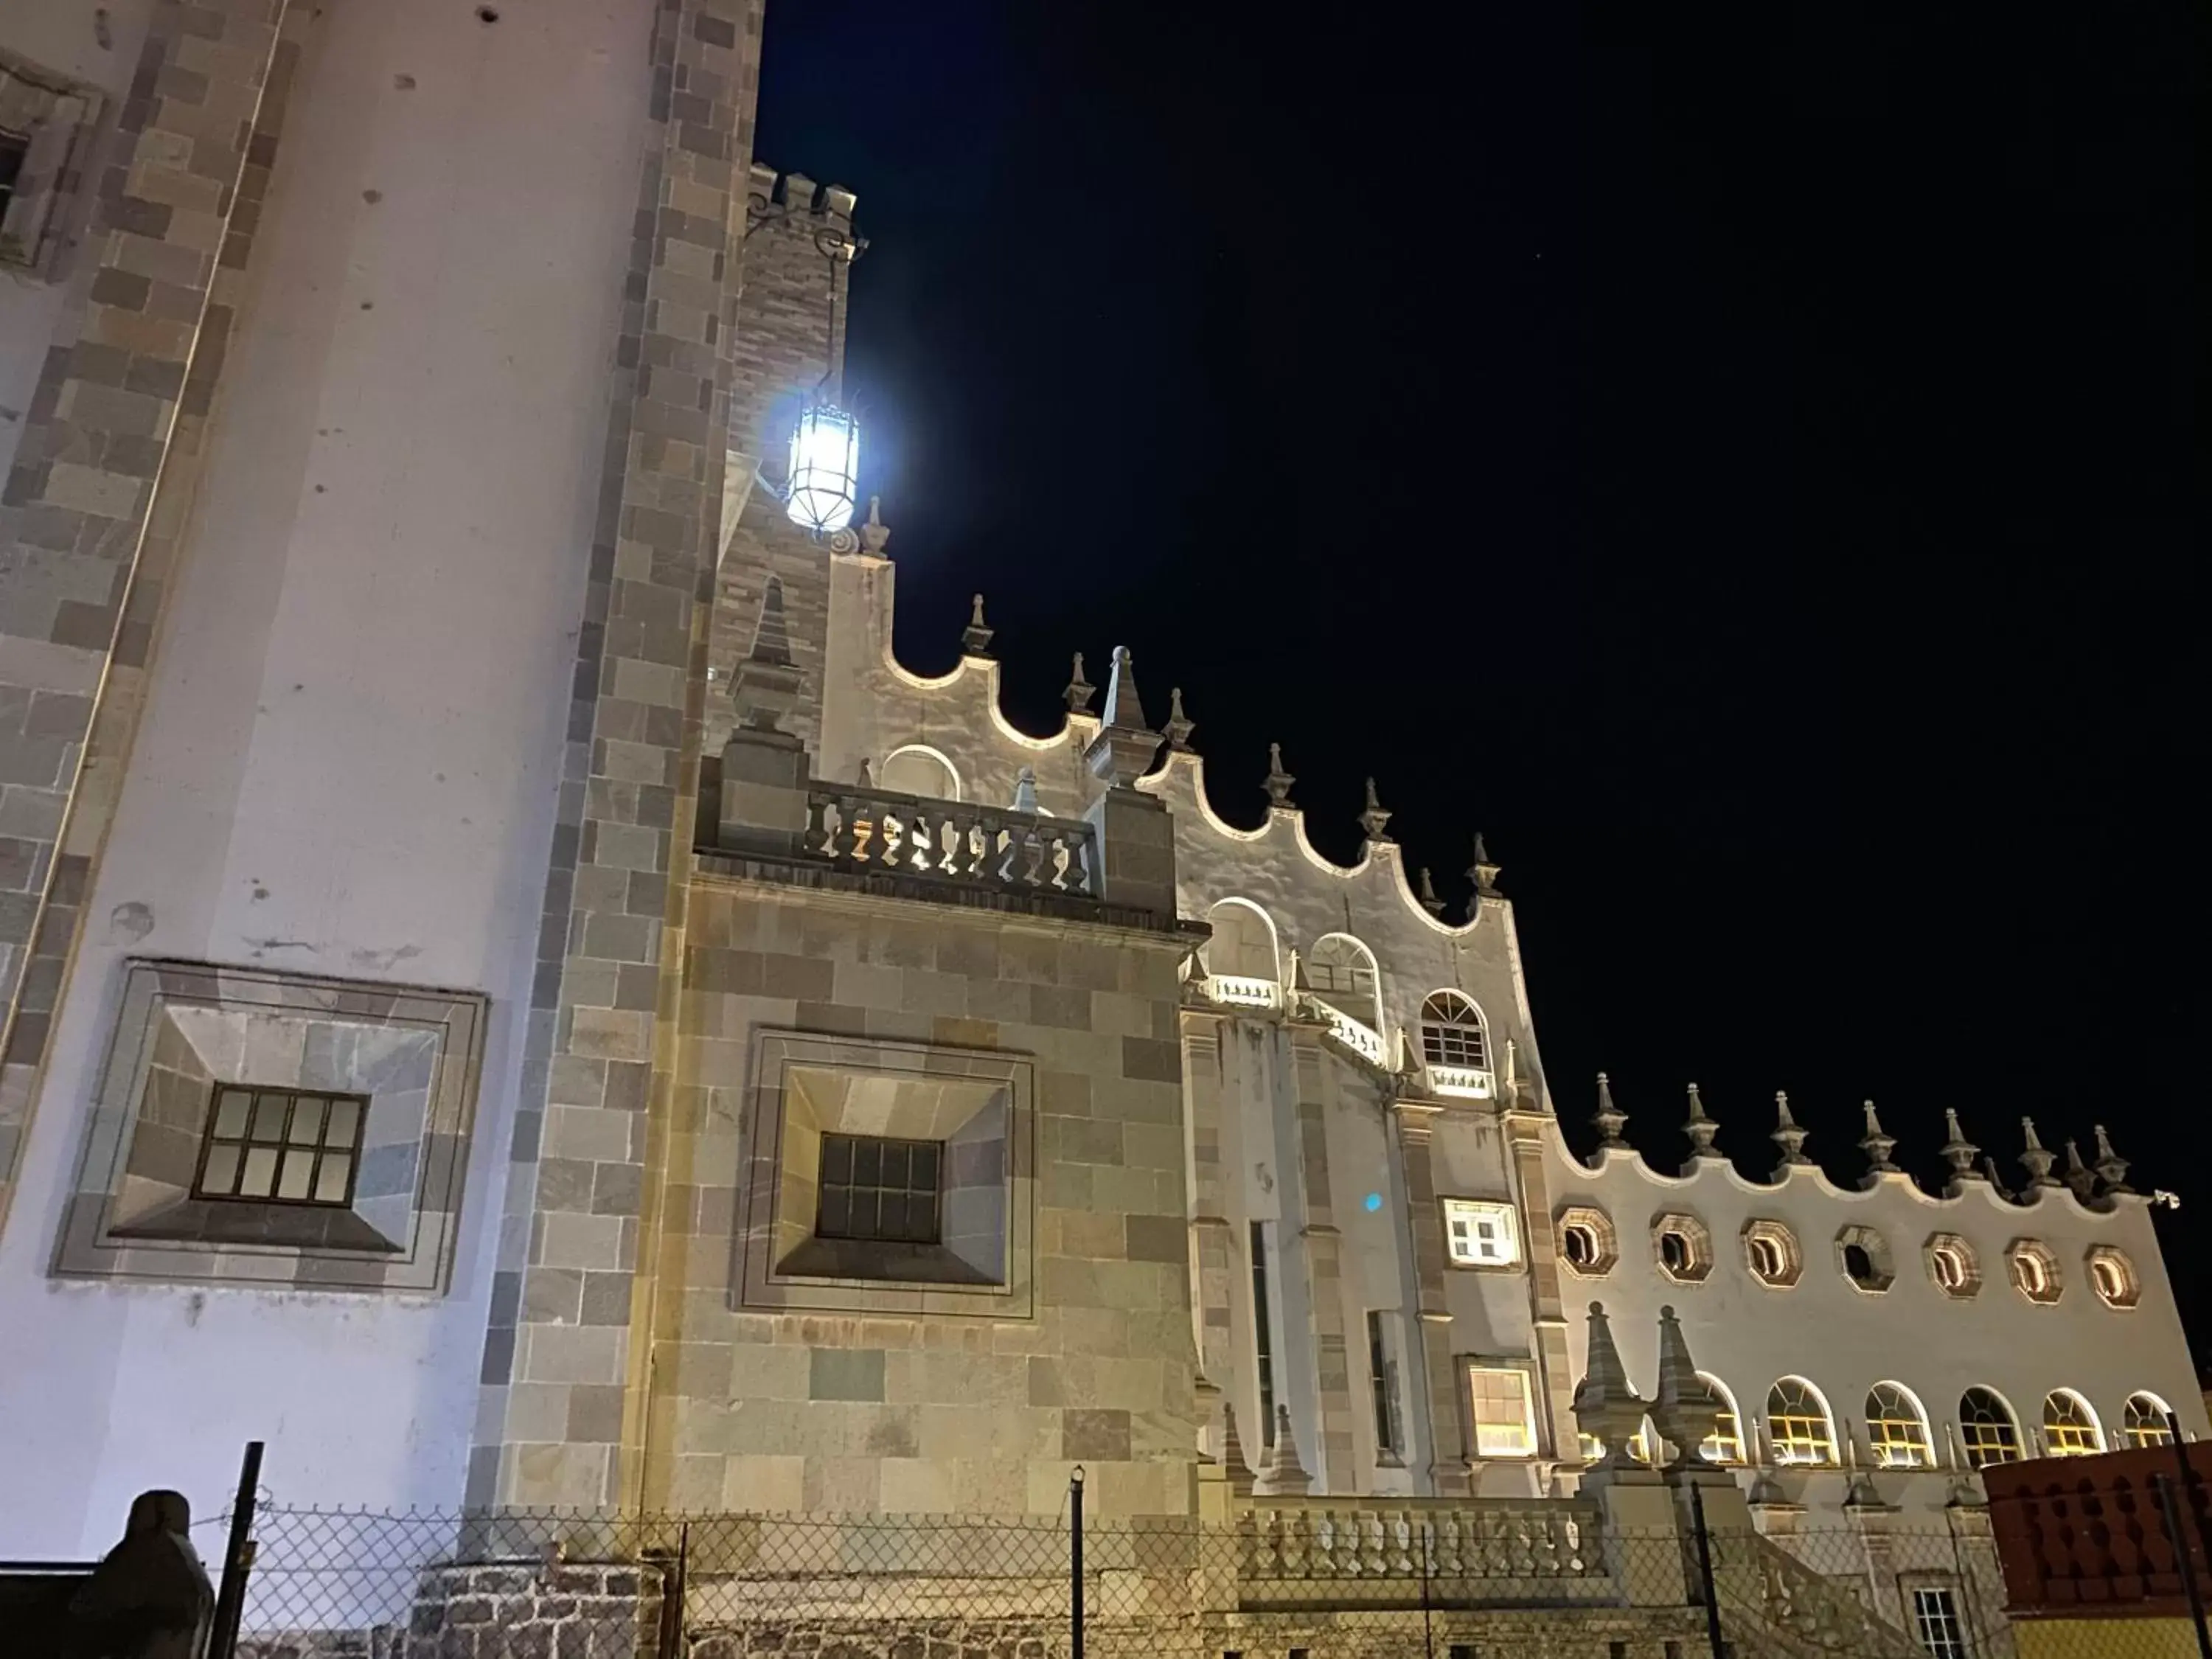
(1743, 465)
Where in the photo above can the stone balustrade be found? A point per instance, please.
(1243, 991)
(1501, 1549)
(986, 846)
(1461, 1082)
(1355, 1035)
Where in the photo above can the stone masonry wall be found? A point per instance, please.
(818, 1412)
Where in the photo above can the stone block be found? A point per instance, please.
(846, 1374)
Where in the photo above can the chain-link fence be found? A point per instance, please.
(1315, 1580)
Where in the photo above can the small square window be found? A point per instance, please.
(1503, 1425)
(1482, 1235)
(280, 1147)
(879, 1189)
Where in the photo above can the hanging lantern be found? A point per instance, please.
(825, 468)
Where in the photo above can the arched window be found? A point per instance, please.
(1897, 1428)
(1797, 1424)
(1242, 965)
(2069, 1427)
(1452, 1033)
(1341, 972)
(1725, 1444)
(917, 769)
(2144, 1423)
(1986, 1425)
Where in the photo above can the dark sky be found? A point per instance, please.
(1743, 463)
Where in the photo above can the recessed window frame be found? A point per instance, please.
(1692, 1262)
(1595, 1225)
(2112, 1276)
(227, 1148)
(1474, 1366)
(1771, 1253)
(1881, 1266)
(1953, 1267)
(884, 1148)
(1897, 1428)
(2072, 1428)
(1802, 1434)
(2142, 1422)
(1502, 1217)
(1989, 1428)
(2034, 1268)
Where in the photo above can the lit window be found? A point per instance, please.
(1895, 1429)
(1579, 1245)
(1684, 1247)
(1725, 1444)
(1451, 1032)
(1482, 1235)
(282, 1146)
(1588, 1244)
(2069, 1427)
(881, 1189)
(1770, 1250)
(1767, 1258)
(2034, 1271)
(1504, 1426)
(1797, 1424)
(2144, 1423)
(1935, 1622)
(2114, 1277)
(1674, 1251)
(1986, 1426)
(1950, 1268)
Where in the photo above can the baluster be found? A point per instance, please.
(1297, 1546)
(1401, 1543)
(1371, 1560)
(921, 839)
(1523, 1551)
(845, 848)
(819, 838)
(1082, 871)
(1271, 1545)
(1004, 849)
(1495, 1562)
(1247, 1546)
(1444, 1545)
(1327, 1542)
(1547, 1550)
(960, 853)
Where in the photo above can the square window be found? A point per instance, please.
(1482, 1235)
(280, 1147)
(876, 1189)
(1504, 1426)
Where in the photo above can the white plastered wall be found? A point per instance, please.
(348, 760)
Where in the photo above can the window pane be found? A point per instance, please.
(867, 1163)
(269, 1117)
(896, 1159)
(260, 1177)
(923, 1176)
(307, 1121)
(836, 1159)
(298, 1174)
(344, 1127)
(330, 1179)
(231, 1110)
(836, 1217)
(221, 1177)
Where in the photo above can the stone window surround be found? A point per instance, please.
(1883, 1264)
(1600, 1224)
(2130, 1293)
(981, 1103)
(1783, 1239)
(2035, 1250)
(1464, 1366)
(1968, 1259)
(1698, 1240)
(414, 1053)
(57, 117)
(1513, 1264)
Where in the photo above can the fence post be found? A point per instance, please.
(237, 1557)
(1075, 1561)
(2182, 1554)
(1706, 1573)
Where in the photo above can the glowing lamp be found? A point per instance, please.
(825, 468)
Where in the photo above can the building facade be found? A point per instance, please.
(517, 999)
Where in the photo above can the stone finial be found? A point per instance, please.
(1701, 1129)
(1430, 902)
(2111, 1167)
(1606, 1408)
(1123, 750)
(766, 684)
(1283, 1477)
(875, 534)
(2035, 1157)
(1959, 1153)
(1374, 817)
(1080, 691)
(975, 638)
(1232, 1453)
(1026, 799)
(1278, 780)
(1877, 1145)
(1787, 1135)
(1179, 726)
(1684, 1407)
(1989, 1174)
(1482, 871)
(1608, 1118)
(2080, 1177)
